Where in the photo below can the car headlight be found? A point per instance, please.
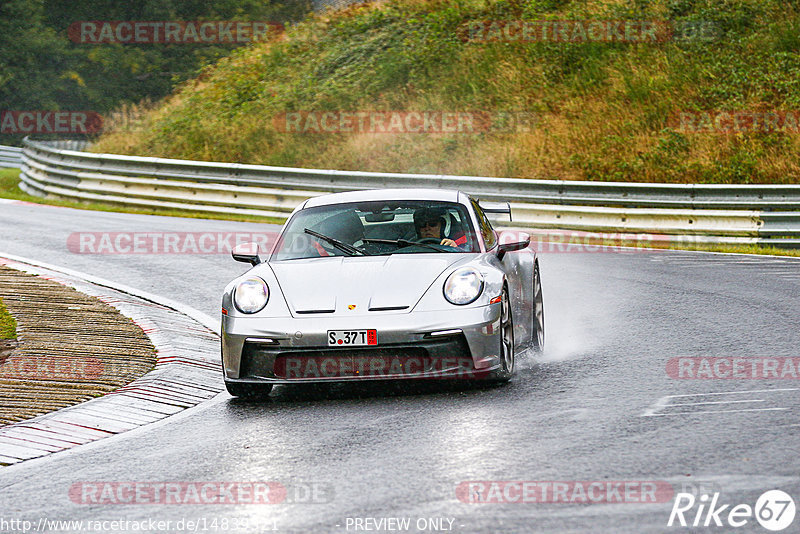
(251, 295)
(463, 286)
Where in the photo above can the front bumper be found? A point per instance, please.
(295, 350)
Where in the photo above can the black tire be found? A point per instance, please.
(506, 339)
(248, 391)
(538, 311)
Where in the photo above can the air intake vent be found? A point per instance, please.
(389, 308)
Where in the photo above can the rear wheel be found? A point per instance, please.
(538, 310)
(248, 391)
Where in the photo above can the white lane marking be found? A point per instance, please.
(660, 403)
(657, 409)
(733, 392)
(714, 411)
(714, 402)
(719, 255)
(754, 260)
(8, 201)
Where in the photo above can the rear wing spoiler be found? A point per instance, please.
(496, 207)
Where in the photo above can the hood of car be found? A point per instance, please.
(358, 285)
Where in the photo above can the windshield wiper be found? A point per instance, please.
(403, 243)
(344, 247)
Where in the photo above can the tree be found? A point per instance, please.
(41, 69)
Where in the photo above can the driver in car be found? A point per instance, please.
(430, 222)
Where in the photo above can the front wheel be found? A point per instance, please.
(506, 338)
(248, 391)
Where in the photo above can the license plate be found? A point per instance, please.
(352, 338)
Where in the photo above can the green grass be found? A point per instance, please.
(9, 188)
(745, 249)
(703, 247)
(602, 110)
(8, 326)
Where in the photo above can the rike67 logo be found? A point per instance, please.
(774, 510)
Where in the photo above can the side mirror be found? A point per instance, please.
(246, 253)
(523, 241)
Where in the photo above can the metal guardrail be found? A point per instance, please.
(708, 212)
(10, 157)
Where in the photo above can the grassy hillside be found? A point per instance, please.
(602, 109)
(8, 326)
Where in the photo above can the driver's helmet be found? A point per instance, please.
(429, 215)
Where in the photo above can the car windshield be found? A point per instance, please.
(377, 228)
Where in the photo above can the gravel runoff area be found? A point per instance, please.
(7, 346)
(70, 348)
(186, 373)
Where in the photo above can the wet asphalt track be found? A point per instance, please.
(574, 413)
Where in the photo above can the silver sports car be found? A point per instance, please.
(382, 285)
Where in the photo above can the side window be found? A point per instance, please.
(484, 226)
